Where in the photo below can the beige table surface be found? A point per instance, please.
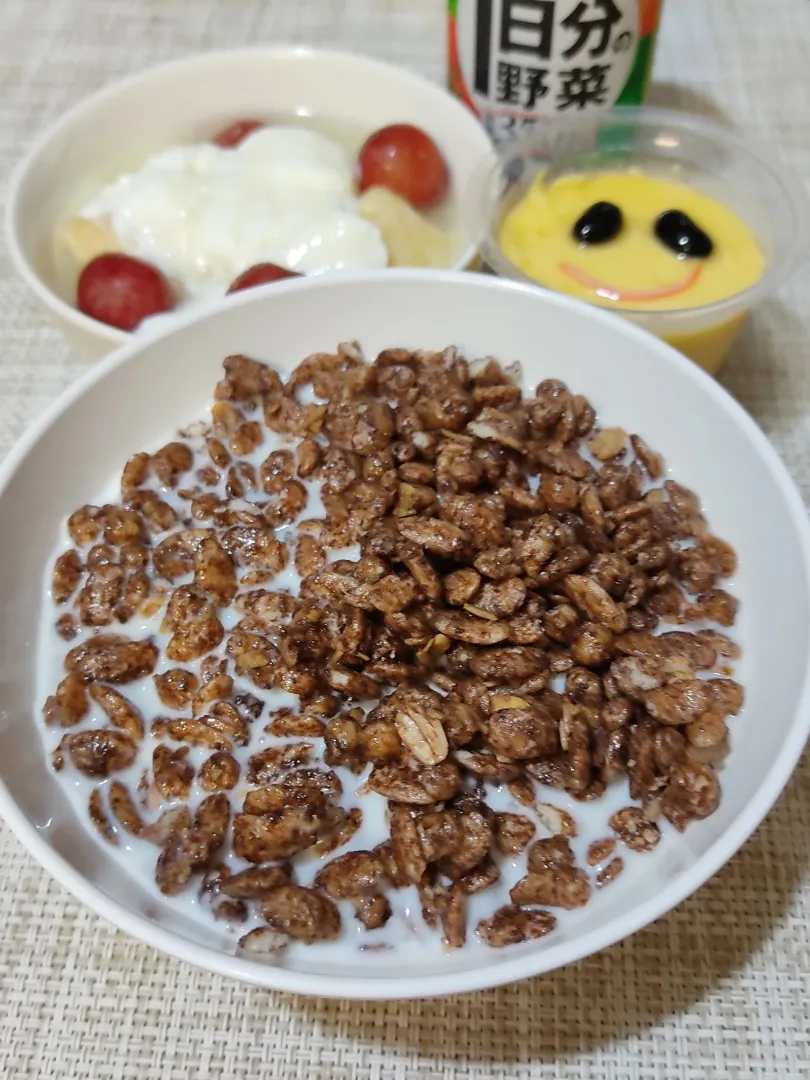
(719, 989)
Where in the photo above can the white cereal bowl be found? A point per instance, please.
(142, 393)
(115, 129)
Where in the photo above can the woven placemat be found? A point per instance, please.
(717, 989)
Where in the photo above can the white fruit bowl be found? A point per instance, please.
(142, 393)
(115, 130)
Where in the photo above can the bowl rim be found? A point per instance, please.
(362, 987)
(19, 176)
(757, 154)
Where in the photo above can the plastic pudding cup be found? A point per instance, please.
(684, 149)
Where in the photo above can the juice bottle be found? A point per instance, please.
(514, 62)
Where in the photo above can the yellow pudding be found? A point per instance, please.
(635, 242)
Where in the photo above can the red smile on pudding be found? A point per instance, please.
(631, 296)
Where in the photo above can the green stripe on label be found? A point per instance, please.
(635, 89)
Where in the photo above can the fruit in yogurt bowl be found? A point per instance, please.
(404, 159)
(261, 201)
(260, 274)
(237, 132)
(122, 291)
(193, 100)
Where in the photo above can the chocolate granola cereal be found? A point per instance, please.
(376, 632)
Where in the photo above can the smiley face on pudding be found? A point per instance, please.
(630, 240)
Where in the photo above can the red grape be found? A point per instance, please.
(234, 133)
(122, 291)
(406, 160)
(260, 274)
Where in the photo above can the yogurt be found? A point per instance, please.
(203, 214)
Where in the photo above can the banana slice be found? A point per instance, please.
(75, 242)
(410, 239)
(80, 240)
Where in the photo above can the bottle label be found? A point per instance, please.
(516, 61)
